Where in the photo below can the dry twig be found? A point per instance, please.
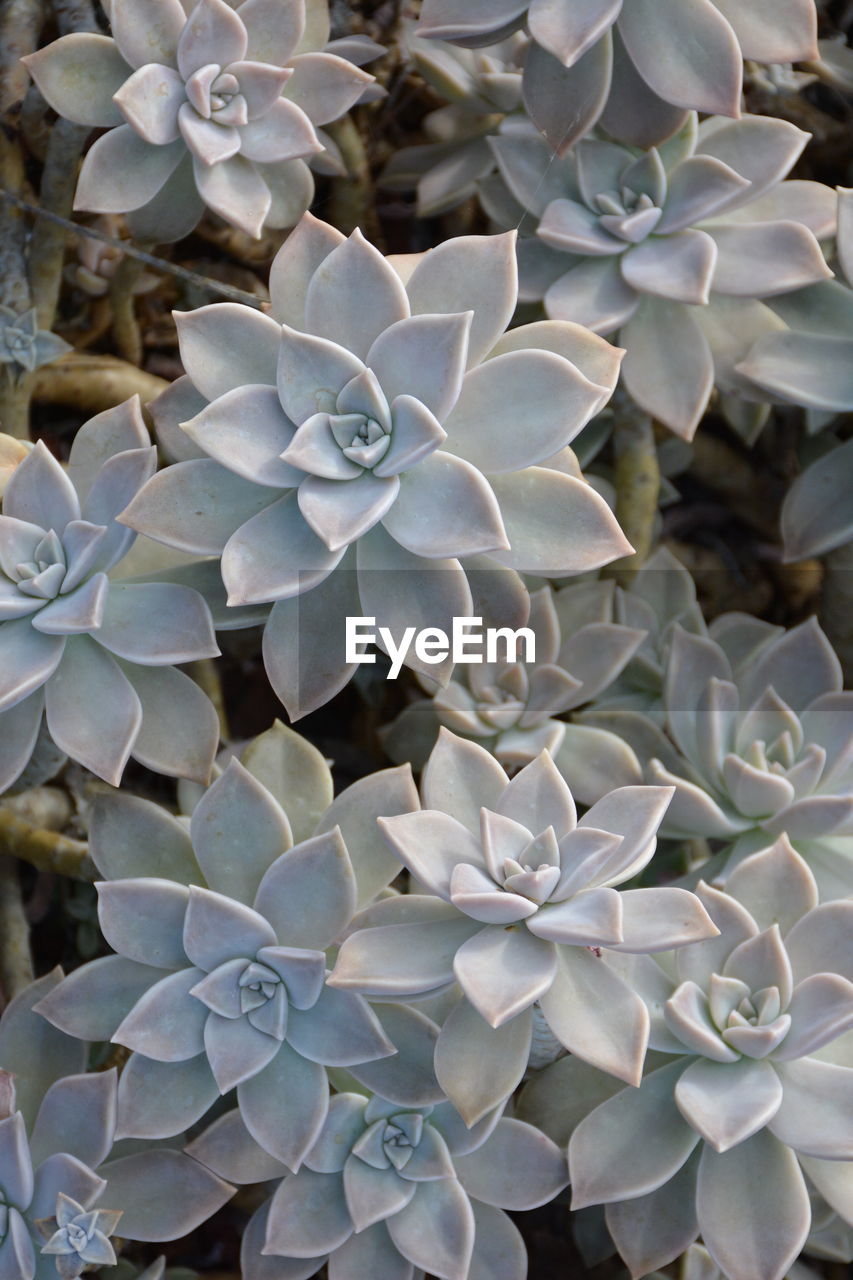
(16, 962)
(637, 476)
(45, 850)
(92, 383)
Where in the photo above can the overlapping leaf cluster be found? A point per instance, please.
(605, 939)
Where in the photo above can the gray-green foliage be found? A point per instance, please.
(204, 103)
(338, 997)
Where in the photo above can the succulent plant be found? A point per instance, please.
(62, 1191)
(24, 346)
(97, 261)
(391, 1190)
(78, 1238)
(660, 599)
(635, 65)
(752, 1093)
(761, 730)
(615, 645)
(156, 1271)
(778, 80)
(95, 655)
(32, 1201)
(680, 252)
(809, 362)
(660, 596)
(623, 727)
(204, 104)
(12, 453)
(831, 1236)
(483, 89)
(524, 902)
(697, 1264)
(608, 942)
(219, 980)
(816, 516)
(369, 434)
(511, 707)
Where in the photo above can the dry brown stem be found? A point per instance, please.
(47, 248)
(92, 383)
(125, 325)
(205, 672)
(20, 24)
(45, 850)
(725, 470)
(48, 807)
(16, 962)
(351, 203)
(637, 477)
(14, 285)
(836, 611)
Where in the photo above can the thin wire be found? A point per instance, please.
(126, 247)
(552, 160)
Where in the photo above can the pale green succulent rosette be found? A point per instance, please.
(221, 926)
(63, 1192)
(816, 514)
(631, 711)
(685, 252)
(91, 652)
(634, 65)
(520, 908)
(756, 742)
(483, 90)
(379, 447)
(204, 104)
(807, 362)
(24, 346)
(377, 1183)
(511, 707)
(600, 649)
(332, 1001)
(45, 1230)
(697, 1264)
(811, 364)
(660, 596)
(750, 1092)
